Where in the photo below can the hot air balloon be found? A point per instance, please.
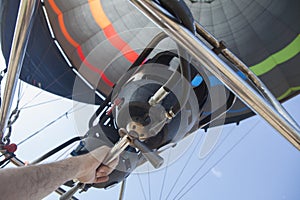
(244, 27)
(92, 51)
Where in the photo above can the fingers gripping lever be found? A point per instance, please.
(126, 140)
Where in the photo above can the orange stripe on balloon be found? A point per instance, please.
(54, 7)
(62, 23)
(93, 68)
(98, 13)
(65, 31)
(109, 31)
(76, 45)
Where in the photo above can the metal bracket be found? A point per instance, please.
(26, 14)
(272, 112)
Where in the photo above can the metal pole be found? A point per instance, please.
(221, 70)
(14, 160)
(22, 30)
(122, 190)
(243, 68)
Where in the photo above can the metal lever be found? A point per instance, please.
(69, 194)
(118, 148)
(155, 159)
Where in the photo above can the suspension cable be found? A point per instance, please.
(43, 90)
(141, 184)
(165, 174)
(203, 164)
(205, 161)
(57, 149)
(149, 184)
(182, 170)
(42, 103)
(65, 154)
(215, 164)
(47, 125)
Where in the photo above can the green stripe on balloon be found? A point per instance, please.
(277, 58)
(288, 92)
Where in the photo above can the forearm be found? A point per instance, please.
(35, 182)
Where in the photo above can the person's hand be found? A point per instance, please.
(92, 169)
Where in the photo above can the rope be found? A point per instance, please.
(217, 162)
(182, 170)
(165, 174)
(43, 90)
(203, 164)
(46, 126)
(42, 103)
(141, 184)
(65, 153)
(149, 182)
(70, 111)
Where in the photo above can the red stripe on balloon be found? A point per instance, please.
(76, 45)
(93, 68)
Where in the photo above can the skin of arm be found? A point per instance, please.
(37, 181)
